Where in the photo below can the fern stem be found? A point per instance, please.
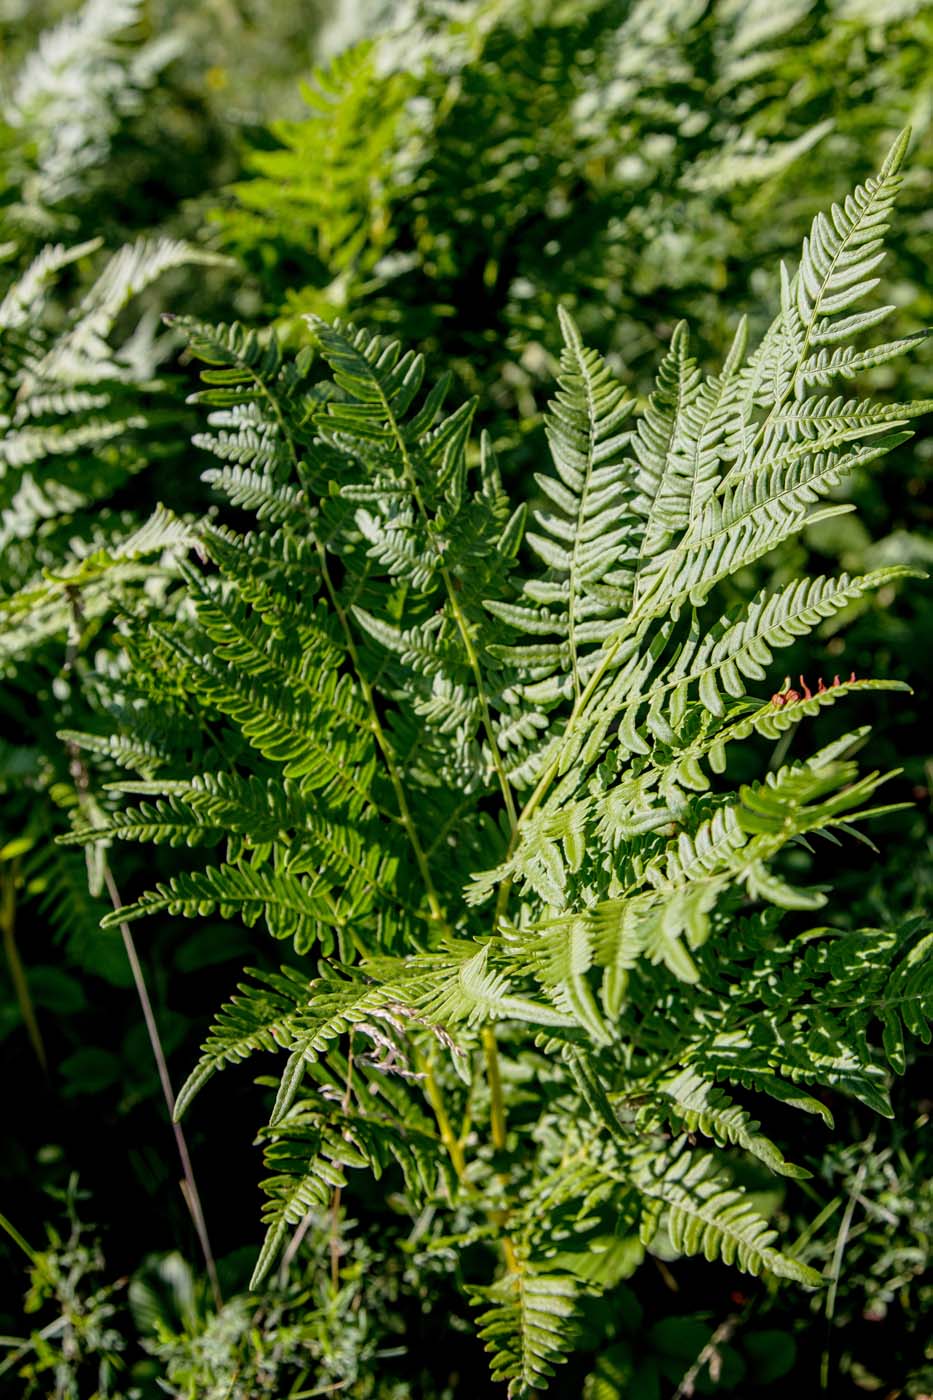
(450, 1141)
(459, 617)
(464, 628)
(498, 1130)
(385, 747)
(512, 1262)
(466, 1123)
(15, 964)
(494, 1077)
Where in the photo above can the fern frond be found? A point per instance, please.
(290, 904)
(705, 1215)
(732, 652)
(699, 1106)
(526, 1323)
(25, 299)
(308, 1165)
(586, 545)
(664, 490)
(82, 355)
(256, 1019)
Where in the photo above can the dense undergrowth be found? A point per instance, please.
(449, 634)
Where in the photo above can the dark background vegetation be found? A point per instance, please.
(452, 174)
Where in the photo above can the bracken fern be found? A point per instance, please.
(484, 775)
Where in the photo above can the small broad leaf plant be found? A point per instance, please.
(477, 775)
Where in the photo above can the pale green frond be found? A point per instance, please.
(25, 299)
(699, 1106)
(290, 904)
(308, 1166)
(83, 355)
(255, 1019)
(733, 652)
(705, 1215)
(587, 543)
(664, 485)
(526, 1323)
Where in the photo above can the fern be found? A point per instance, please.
(67, 103)
(73, 411)
(83, 411)
(525, 1327)
(704, 1215)
(355, 150)
(700, 1107)
(493, 789)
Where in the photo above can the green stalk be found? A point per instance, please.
(448, 1138)
(382, 742)
(15, 963)
(30, 1253)
(494, 1078)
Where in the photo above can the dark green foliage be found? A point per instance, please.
(623, 160)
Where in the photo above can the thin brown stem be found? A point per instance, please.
(189, 1186)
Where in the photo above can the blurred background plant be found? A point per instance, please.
(77, 1349)
(447, 171)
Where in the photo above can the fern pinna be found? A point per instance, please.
(482, 775)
